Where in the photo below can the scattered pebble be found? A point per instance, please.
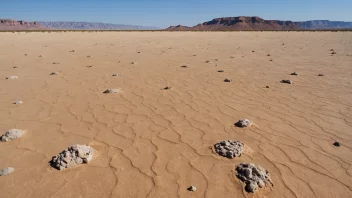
(72, 51)
(17, 102)
(56, 63)
(333, 52)
(133, 63)
(72, 156)
(115, 75)
(89, 66)
(184, 66)
(271, 59)
(287, 81)
(220, 70)
(268, 55)
(253, 51)
(321, 75)
(229, 148)
(228, 80)
(40, 56)
(267, 87)
(207, 61)
(89, 56)
(192, 188)
(253, 176)
(11, 77)
(11, 134)
(16, 67)
(112, 91)
(6, 171)
(294, 74)
(54, 73)
(166, 88)
(232, 57)
(138, 52)
(337, 144)
(243, 123)
(25, 54)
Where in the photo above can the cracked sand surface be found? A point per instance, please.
(155, 143)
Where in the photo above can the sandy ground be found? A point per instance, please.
(156, 143)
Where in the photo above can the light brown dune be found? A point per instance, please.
(155, 143)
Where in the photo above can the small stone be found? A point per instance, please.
(261, 184)
(89, 56)
(184, 66)
(6, 171)
(166, 88)
(243, 123)
(248, 172)
(54, 73)
(333, 52)
(321, 75)
(207, 61)
(271, 60)
(267, 87)
(287, 81)
(232, 57)
(268, 55)
(253, 51)
(40, 56)
(115, 75)
(89, 66)
(112, 91)
(72, 51)
(251, 187)
(192, 188)
(133, 63)
(11, 134)
(228, 80)
(56, 63)
(220, 70)
(17, 102)
(11, 77)
(16, 67)
(25, 54)
(294, 74)
(337, 144)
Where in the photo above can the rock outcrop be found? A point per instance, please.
(253, 176)
(72, 156)
(229, 148)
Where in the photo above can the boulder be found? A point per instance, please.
(254, 176)
(72, 156)
(229, 148)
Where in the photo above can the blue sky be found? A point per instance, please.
(162, 13)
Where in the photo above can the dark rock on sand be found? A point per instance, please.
(243, 123)
(287, 81)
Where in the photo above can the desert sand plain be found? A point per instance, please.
(152, 142)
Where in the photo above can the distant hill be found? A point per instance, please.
(65, 25)
(8, 24)
(256, 23)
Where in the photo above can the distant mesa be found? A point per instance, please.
(257, 23)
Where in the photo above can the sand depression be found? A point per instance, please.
(155, 142)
